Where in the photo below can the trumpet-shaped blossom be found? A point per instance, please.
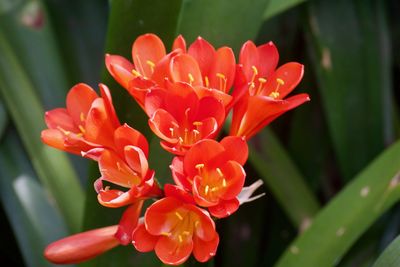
(87, 245)
(127, 167)
(266, 88)
(213, 173)
(87, 122)
(180, 118)
(175, 228)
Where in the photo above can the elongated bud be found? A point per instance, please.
(83, 246)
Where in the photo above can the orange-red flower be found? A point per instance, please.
(213, 172)
(265, 88)
(87, 122)
(180, 118)
(87, 245)
(174, 228)
(127, 167)
(211, 72)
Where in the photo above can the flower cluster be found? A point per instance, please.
(187, 95)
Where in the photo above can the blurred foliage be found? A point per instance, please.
(330, 199)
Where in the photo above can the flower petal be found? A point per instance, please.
(147, 50)
(128, 222)
(222, 72)
(136, 160)
(160, 123)
(178, 174)
(204, 250)
(158, 218)
(173, 252)
(120, 68)
(184, 68)
(236, 148)
(79, 101)
(235, 176)
(203, 52)
(60, 118)
(109, 107)
(224, 208)
(142, 240)
(126, 135)
(179, 43)
(268, 57)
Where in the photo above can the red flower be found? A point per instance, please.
(127, 167)
(213, 172)
(265, 88)
(174, 229)
(180, 118)
(87, 245)
(88, 121)
(211, 72)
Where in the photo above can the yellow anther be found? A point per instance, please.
(165, 234)
(207, 82)
(199, 166)
(224, 182)
(197, 123)
(79, 135)
(196, 132)
(196, 223)
(178, 215)
(136, 73)
(82, 116)
(180, 238)
(150, 63)
(262, 80)
(119, 166)
(220, 75)
(180, 140)
(280, 81)
(82, 129)
(274, 94)
(219, 172)
(191, 79)
(172, 131)
(206, 189)
(255, 70)
(186, 233)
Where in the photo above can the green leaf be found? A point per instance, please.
(349, 214)
(353, 69)
(276, 7)
(390, 256)
(281, 175)
(223, 22)
(3, 119)
(52, 166)
(29, 30)
(35, 220)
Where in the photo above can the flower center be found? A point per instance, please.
(213, 182)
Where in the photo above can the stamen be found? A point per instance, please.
(82, 116)
(172, 131)
(185, 137)
(63, 131)
(178, 215)
(219, 172)
(274, 94)
(119, 166)
(136, 73)
(180, 238)
(196, 133)
(197, 123)
(191, 79)
(180, 140)
(206, 189)
(140, 65)
(222, 81)
(165, 234)
(261, 81)
(82, 129)
(255, 73)
(186, 233)
(207, 82)
(151, 64)
(224, 182)
(199, 166)
(280, 81)
(196, 223)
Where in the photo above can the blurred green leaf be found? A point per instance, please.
(352, 64)
(349, 214)
(275, 7)
(283, 178)
(29, 30)
(3, 119)
(34, 219)
(52, 166)
(223, 22)
(390, 256)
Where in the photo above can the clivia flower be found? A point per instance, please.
(174, 227)
(265, 87)
(180, 118)
(213, 173)
(87, 122)
(127, 167)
